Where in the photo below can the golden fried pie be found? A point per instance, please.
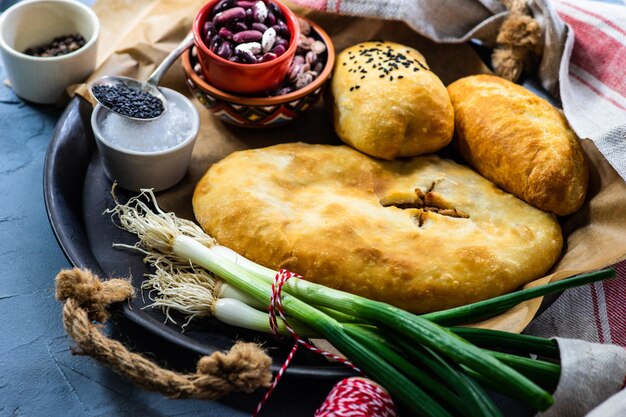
(423, 234)
(520, 142)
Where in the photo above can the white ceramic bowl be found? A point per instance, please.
(135, 170)
(32, 23)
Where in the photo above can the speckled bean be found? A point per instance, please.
(310, 58)
(304, 79)
(294, 71)
(318, 47)
(305, 27)
(246, 56)
(259, 11)
(268, 39)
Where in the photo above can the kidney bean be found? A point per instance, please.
(318, 68)
(225, 34)
(237, 26)
(270, 19)
(216, 41)
(236, 59)
(225, 50)
(246, 4)
(235, 14)
(259, 26)
(281, 29)
(279, 50)
(268, 39)
(281, 41)
(275, 10)
(269, 56)
(259, 12)
(221, 6)
(207, 29)
(247, 36)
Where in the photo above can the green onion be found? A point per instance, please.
(378, 344)
(237, 313)
(477, 401)
(438, 339)
(546, 374)
(489, 308)
(508, 341)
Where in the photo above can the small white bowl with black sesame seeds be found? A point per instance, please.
(147, 154)
(29, 25)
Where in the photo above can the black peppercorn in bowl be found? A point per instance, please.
(301, 88)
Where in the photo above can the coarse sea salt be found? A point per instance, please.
(157, 135)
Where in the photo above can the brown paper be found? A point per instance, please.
(137, 35)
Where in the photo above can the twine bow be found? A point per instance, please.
(245, 367)
(519, 43)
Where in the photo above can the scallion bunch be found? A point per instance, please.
(429, 369)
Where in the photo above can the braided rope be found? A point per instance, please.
(245, 367)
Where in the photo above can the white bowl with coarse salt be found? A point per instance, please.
(147, 154)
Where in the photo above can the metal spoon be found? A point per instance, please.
(149, 86)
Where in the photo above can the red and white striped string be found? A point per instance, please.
(276, 305)
(357, 397)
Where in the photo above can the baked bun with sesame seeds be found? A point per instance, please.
(387, 103)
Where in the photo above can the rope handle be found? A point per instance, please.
(519, 42)
(245, 367)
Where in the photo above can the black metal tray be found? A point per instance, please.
(76, 193)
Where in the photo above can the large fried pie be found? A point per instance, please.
(423, 234)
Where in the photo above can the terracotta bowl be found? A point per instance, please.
(244, 78)
(260, 111)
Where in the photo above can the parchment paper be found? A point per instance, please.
(137, 35)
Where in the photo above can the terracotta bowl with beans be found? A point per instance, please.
(245, 46)
(299, 89)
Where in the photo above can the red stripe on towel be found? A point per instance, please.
(615, 294)
(596, 312)
(596, 91)
(608, 22)
(599, 54)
